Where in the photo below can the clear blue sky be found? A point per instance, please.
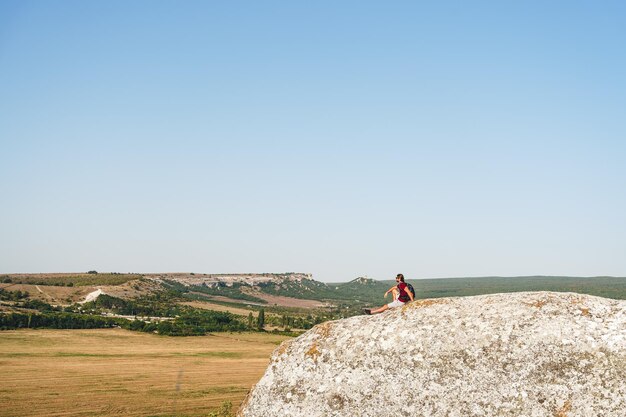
(338, 138)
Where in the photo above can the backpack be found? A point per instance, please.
(410, 288)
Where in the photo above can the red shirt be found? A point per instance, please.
(404, 295)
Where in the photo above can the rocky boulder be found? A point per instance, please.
(521, 354)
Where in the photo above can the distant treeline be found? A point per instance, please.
(56, 320)
(608, 287)
(188, 325)
(160, 304)
(183, 320)
(169, 318)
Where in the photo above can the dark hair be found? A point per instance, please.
(401, 277)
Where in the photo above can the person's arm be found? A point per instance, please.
(389, 290)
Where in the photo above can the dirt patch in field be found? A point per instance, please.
(217, 307)
(289, 301)
(51, 294)
(271, 301)
(230, 300)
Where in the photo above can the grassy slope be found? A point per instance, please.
(70, 279)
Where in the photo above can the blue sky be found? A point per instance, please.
(338, 138)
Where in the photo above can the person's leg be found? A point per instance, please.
(393, 304)
(379, 310)
(395, 294)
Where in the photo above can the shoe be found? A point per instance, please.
(367, 311)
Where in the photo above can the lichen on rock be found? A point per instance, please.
(522, 354)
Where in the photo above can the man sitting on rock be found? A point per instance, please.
(401, 294)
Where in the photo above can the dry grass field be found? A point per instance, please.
(51, 294)
(111, 372)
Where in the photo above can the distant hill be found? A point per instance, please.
(370, 291)
(190, 303)
(253, 287)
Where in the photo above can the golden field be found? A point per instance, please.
(108, 372)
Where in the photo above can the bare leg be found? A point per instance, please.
(395, 292)
(380, 310)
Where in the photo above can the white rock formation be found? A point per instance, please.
(521, 354)
(92, 296)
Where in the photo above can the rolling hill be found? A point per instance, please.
(190, 303)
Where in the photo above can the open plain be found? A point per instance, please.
(110, 372)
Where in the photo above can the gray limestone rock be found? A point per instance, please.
(521, 354)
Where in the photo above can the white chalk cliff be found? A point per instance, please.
(521, 354)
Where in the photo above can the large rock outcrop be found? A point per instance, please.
(522, 354)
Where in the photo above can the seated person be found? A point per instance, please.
(401, 295)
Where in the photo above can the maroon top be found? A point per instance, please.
(404, 295)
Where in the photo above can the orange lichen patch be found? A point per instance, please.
(324, 329)
(313, 351)
(283, 347)
(538, 303)
(583, 309)
(562, 412)
(424, 303)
